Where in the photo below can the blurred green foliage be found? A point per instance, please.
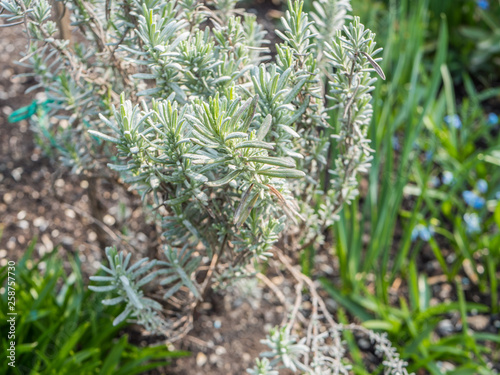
(62, 328)
(473, 28)
(430, 210)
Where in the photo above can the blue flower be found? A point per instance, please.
(483, 4)
(482, 186)
(429, 155)
(395, 143)
(448, 178)
(415, 233)
(473, 200)
(492, 119)
(472, 223)
(453, 120)
(434, 182)
(420, 230)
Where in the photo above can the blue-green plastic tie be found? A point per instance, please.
(26, 112)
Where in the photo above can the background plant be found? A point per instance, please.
(61, 326)
(431, 200)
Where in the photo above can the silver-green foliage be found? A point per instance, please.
(351, 55)
(232, 152)
(237, 146)
(126, 280)
(324, 354)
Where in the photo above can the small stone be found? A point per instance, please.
(278, 280)
(218, 337)
(109, 220)
(47, 243)
(331, 304)
(327, 269)
(306, 305)
(246, 357)
(21, 215)
(141, 237)
(8, 198)
(206, 305)
(214, 358)
(201, 359)
(67, 241)
(364, 344)
(23, 224)
(92, 236)
(70, 213)
(42, 250)
(446, 366)
(7, 110)
(445, 291)
(17, 173)
(11, 243)
(433, 302)
(220, 350)
(41, 223)
(445, 327)
(478, 322)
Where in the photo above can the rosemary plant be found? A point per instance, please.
(230, 148)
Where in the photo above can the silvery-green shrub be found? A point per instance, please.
(231, 146)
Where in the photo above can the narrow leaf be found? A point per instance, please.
(282, 173)
(264, 127)
(104, 137)
(279, 162)
(255, 144)
(225, 180)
